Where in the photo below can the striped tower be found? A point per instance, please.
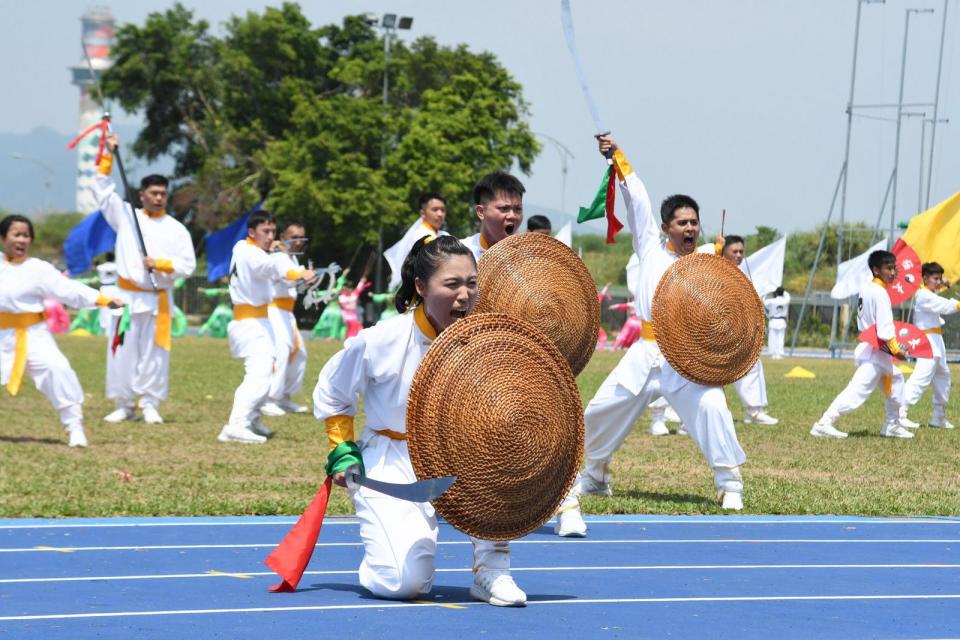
(97, 38)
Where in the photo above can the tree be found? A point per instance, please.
(277, 106)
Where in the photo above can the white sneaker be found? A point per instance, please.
(591, 487)
(823, 429)
(497, 588)
(272, 409)
(940, 422)
(570, 524)
(151, 416)
(77, 437)
(730, 500)
(231, 433)
(658, 428)
(894, 430)
(760, 417)
(120, 415)
(682, 430)
(907, 423)
(260, 429)
(670, 415)
(290, 406)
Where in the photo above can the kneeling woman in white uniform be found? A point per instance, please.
(400, 538)
(26, 345)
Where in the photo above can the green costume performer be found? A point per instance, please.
(331, 326)
(385, 300)
(216, 324)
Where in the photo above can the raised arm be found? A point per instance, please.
(640, 219)
(109, 202)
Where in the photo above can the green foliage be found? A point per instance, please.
(277, 106)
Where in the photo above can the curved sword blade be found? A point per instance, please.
(420, 491)
(566, 17)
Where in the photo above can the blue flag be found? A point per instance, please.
(220, 245)
(90, 238)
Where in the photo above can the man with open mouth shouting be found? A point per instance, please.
(498, 198)
(643, 374)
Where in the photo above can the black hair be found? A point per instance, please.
(154, 180)
(291, 223)
(931, 269)
(497, 182)
(109, 257)
(425, 199)
(260, 217)
(538, 222)
(779, 291)
(8, 221)
(733, 239)
(879, 258)
(679, 201)
(422, 262)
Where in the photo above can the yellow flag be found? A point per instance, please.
(935, 236)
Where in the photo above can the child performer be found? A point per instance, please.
(439, 286)
(874, 365)
(927, 309)
(26, 345)
(778, 308)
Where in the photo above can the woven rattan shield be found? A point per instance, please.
(536, 278)
(494, 403)
(708, 320)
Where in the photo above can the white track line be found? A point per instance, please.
(353, 521)
(580, 541)
(402, 605)
(657, 567)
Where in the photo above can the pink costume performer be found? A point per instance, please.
(631, 328)
(348, 307)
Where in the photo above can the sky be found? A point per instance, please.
(739, 103)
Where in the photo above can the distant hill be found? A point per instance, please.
(44, 178)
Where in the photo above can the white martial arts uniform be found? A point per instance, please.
(874, 367)
(253, 272)
(477, 245)
(23, 285)
(399, 537)
(141, 365)
(778, 309)
(397, 253)
(291, 356)
(752, 389)
(927, 309)
(643, 374)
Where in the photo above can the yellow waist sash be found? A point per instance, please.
(20, 322)
(934, 330)
(249, 311)
(646, 330)
(161, 333)
(287, 304)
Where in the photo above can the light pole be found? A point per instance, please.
(923, 138)
(565, 156)
(48, 178)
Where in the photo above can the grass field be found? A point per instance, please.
(179, 468)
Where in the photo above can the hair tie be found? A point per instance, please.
(428, 239)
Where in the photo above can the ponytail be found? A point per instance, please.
(421, 263)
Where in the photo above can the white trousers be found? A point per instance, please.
(611, 414)
(929, 371)
(752, 389)
(139, 368)
(775, 338)
(50, 370)
(291, 356)
(871, 372)
(252, 341)
(400, 537)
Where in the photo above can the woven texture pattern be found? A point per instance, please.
(535, 278)
(708, 320)
(494, 403)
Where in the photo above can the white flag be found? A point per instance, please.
(565, 235)
(396, 254)
(765, 267)
(854, 273)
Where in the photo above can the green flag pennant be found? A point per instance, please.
(597, 208)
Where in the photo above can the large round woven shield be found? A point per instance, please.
(536, 278)
(494, 403)
(708, 320)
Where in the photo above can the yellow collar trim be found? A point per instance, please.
(155, 215)
(429, 226)
(7, 258)
(670, 247)
(483, 242)
(880, 282)
(423, 323)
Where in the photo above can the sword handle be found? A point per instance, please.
(609, 154)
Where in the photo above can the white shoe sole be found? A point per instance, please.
(481, 594)
(821, 434)
(113, 420)
(242, 439)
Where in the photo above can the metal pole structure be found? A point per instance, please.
(816, 259)
(936, 102)
(923, 141)
(565, 154)
(896, 147)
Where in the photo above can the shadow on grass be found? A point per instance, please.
(441, 594)
(22, 439)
